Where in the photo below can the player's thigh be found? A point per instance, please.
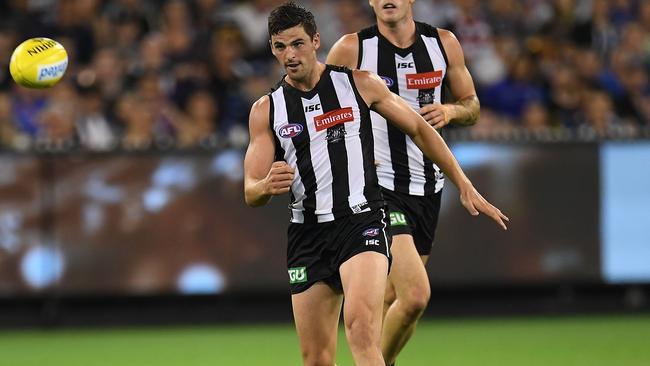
(408, 275)
(316, 313)
(364, 278)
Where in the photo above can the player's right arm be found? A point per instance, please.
(390, 106)
(263, 178)
(345, 51)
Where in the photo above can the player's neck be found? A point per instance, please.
(308, 82)
(400, 34)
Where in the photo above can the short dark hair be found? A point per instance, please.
(289, 15)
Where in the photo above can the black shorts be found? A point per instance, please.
(414, 215)
(316, 251)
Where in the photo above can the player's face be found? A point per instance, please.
(296, 51)
(391, 11)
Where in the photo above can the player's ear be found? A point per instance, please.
(316, 40)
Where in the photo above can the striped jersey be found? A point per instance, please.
(326, 135)
(416, 74)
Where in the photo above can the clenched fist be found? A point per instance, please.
(279, 178)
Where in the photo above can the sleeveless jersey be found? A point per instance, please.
(416, 74)
(326, 135)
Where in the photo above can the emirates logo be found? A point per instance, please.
(333, 118)
(425, 80)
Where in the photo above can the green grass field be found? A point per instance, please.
(588, 341)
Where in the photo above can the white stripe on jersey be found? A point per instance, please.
(280, 117)
(385, 172)
(356, 177)
(321, 165)
(370, 52)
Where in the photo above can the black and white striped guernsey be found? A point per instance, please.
(417, 74)
(326, 135)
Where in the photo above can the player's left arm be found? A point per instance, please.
(466, 108)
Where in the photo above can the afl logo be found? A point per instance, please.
(387, 80)
(373, 231)
(290, 130)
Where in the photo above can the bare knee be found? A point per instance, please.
(318, 357)
(414, 301)
(361, 332)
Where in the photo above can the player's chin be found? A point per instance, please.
(389, 16)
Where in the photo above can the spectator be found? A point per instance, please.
(93, 127)
(599, 118)
(198, 127)
(535, 117)
(56, 120)
(138, 123)
(523, 55)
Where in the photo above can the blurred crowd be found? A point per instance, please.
(184, 73)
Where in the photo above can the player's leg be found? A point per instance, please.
(364, 281)
(410, 282)
(316, 312)
(389, 296)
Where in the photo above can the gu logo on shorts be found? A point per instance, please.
(333, 118)
(387, 80)
(424, 80)
(397, 219)
(290, 130)
(297, 275)
(373, 231)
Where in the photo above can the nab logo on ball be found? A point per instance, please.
(38, 63)
(290, 130)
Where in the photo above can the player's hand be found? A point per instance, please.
(437, 115)
(279, 178)
(475, 204)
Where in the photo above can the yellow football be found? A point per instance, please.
(38, 63)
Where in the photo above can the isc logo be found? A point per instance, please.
(372, 242)
(290, 130)
(313, 107)
(405, 65)
(297, 275)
